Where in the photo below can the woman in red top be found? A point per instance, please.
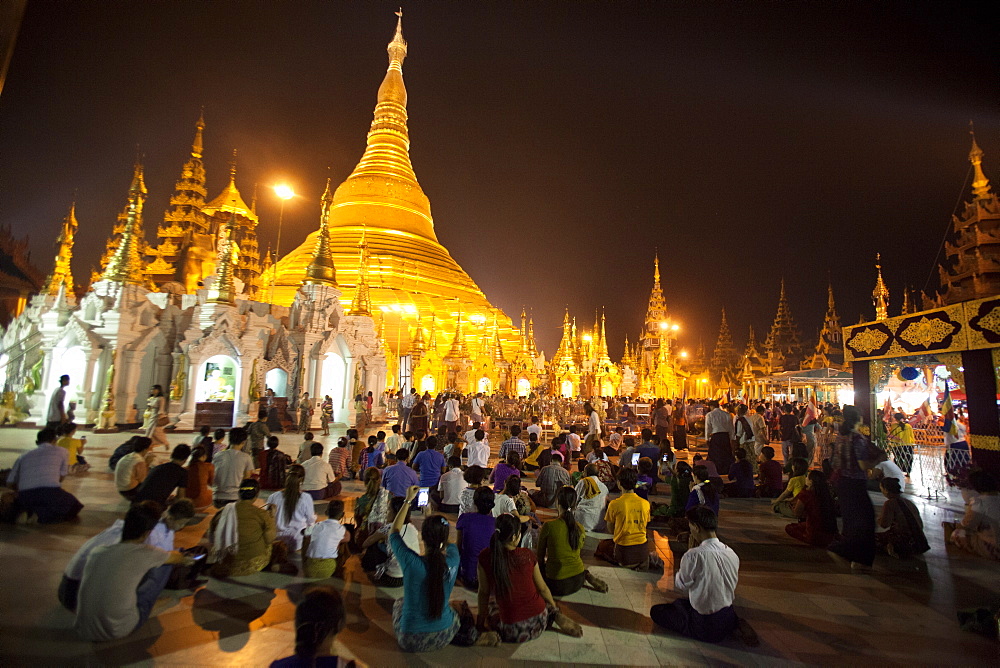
(814, 505)
(514, 600)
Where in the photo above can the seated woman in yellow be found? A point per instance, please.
(242, 536)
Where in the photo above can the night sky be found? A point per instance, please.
(559, 142)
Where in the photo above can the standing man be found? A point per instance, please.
(720, 437)
(57, 411)
(680, 426)
(708, 573)
(760, 435)
(477, 408)
(451, 414)
(809, 420)
(405, 406)
(788, 425)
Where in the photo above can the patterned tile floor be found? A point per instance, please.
(805, 609)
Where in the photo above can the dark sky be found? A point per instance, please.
(559, 142)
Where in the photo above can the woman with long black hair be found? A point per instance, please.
(319, 617)
(422, 619)
(853, 455)
(514, 600)
(293, 510)
(559, 546)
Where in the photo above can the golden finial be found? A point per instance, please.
(253, 200)
(397, 47)
(197, 147)
(458, 347)
(980, 184)
(321, 271)
(362, 304)
(880, 296)
(62, 273)
(223, 290)
(656, 266)
(417, 345)
(124, 265)
(497, 346)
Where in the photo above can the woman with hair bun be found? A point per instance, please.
(514, 600)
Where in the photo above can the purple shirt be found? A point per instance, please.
(503, 471)
(476, 532)
(398, 478)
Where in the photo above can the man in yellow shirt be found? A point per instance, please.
(627, 517)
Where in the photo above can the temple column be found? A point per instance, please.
(984, 419)
(862, 390)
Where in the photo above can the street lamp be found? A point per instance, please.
(283, 192)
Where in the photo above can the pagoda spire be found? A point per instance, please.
(223, 290)
(525, 349)
(321, 271)
(62, 272)
(602, 346)
(497, 350)
(197, 146)
(907, 307)
(458, 347)
(362, 303)
(627, 354)
(432, 344)
(880, 295)
(417, 344)
(124, 265)
(980, 184)
(532, 346)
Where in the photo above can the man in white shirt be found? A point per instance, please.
(478, 452)
(320, 482)
(708, 574)
(448, 494)
(720, 436)
(232, 466)
(477, 408)
(395, 440)
(535, 428)
(57, 412)
(885, 469)
(451, 414)
(470, 435)
(573, 442)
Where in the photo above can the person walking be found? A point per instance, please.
(156, 418)
(720, 436)
(57, 410)
(853, 455)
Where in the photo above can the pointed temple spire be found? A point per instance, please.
(321, 271)
(417, 345)
(751, 343)
(907, 307)
(124, 265)
(197, 146)
(880, 295)
(362, 303)
(458, 346)
(980, 184)
(497, 348)
(223, 290)
(532, 346)
(783, 345)
(432, 343)
(602, 346)
(62, 272)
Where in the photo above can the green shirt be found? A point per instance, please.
(561, 561)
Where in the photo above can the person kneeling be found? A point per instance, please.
(514, 600)
(122, 581)
(708, 572)
(324, 548)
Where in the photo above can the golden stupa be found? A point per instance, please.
(408, 274)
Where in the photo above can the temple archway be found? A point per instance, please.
(523, 387)
(334, 382)
(485, 385)
(215, 393)
(71, 361)
(566, 388)
(277, 380)
(427, 384)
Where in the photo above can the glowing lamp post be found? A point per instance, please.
(283, 192)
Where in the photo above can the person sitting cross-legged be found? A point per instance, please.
(514, 600)
(325, 545)
(474, 530)
(796, 483)
(548, 480)
(708, 573)
(627, 518)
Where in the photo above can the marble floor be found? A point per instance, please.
(805, 609)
